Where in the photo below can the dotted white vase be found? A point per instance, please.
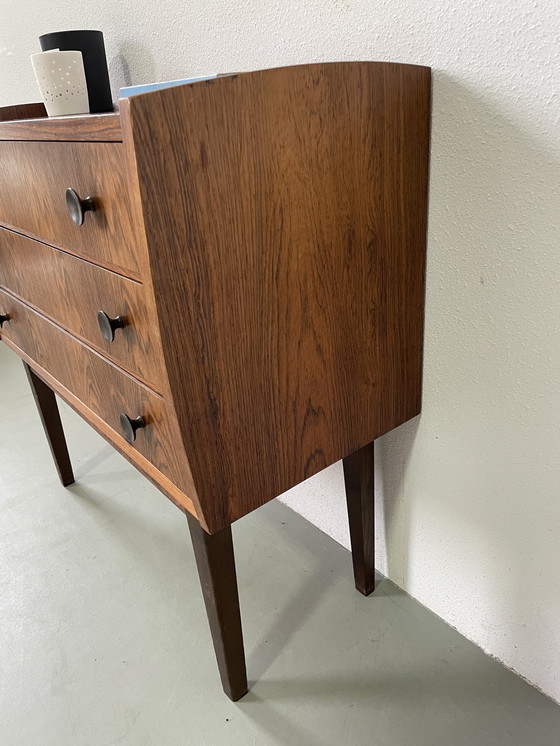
(62, 82)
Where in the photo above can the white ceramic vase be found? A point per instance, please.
(62, 82)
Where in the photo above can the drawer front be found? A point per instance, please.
(72, 291)
(34, 177)
(103, 388)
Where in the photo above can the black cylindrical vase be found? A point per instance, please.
(92, 47)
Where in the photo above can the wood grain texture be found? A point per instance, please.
(360, 493)
(30, 122)
(215, 561)
(100, 386)
(159, 480)
(286, 224)
(47, 406)
(71, 291)
(22, 111)
(33, 183)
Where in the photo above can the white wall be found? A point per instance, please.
(469, 491)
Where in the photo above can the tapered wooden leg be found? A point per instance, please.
(50, 417)
(216, 568)
(358, 478)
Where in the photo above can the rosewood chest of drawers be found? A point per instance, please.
(226, 280)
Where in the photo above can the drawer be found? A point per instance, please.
(103, 388)
(33, 181)
(72, 292)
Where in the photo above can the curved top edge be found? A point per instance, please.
(421, 69)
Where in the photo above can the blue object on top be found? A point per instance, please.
(133, 90)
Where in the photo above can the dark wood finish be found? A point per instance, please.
(102, 387)
(273, 227)
(286, 226)
(72, 291)
(30, 122)
(35, 177)
(52, 425)
(360, 492)
(215, 561)
(159, 480)
(22, 111)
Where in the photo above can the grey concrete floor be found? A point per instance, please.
(103, 634)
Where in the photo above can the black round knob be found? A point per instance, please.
(78, 207)
(3, 318)
(130, 426)
(109, 326)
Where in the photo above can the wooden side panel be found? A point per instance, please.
(286, 227)
(34, 177)
(71, 291)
